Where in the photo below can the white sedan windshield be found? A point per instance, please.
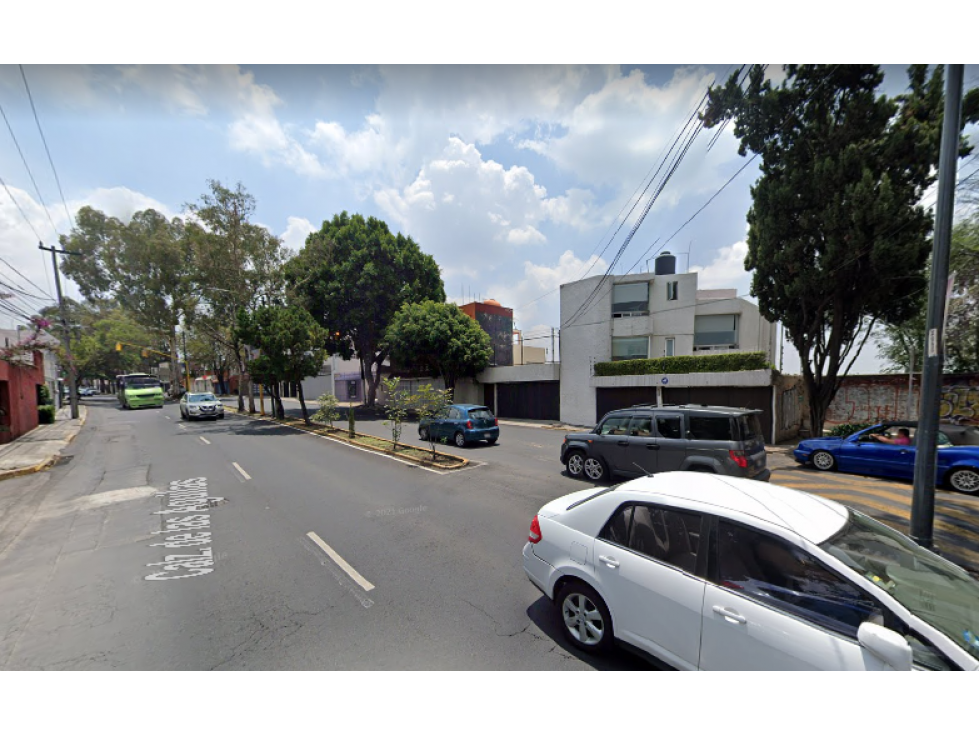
(203, 398)
(933, 589)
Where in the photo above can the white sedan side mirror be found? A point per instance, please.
(886, 645)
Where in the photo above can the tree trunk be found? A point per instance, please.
(302, 402)
(175, 384)
(241, 377)
(277, 407)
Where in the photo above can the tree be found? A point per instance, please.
(439, 337)
(430, 403)
(237, 265)
(353, 275)
(962, 328)
(144, 264)
(837, 238)
(397, 407)
(329, 409)
(291, 343)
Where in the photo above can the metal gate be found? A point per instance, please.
(533, 400)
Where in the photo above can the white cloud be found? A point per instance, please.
(120, 202)
(295, 234)
(535, 297)
(726, 270)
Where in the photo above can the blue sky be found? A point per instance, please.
(509, 175)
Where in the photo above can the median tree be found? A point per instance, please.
(440, 338)
(838, 238)
(353, 275)
(291, 346)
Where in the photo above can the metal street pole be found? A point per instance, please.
(911, 383)
(72, 390)
(923, 499)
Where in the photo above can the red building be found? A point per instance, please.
(20, 385)
(496, 321)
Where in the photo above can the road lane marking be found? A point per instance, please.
(240, 470)
(167, 417)
(181, 426)
(204, 440)
(351, 571)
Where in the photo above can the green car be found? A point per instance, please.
(139, 390)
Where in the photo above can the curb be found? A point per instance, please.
(24, 470)
(352, 442)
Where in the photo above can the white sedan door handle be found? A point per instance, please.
(609, 561)
(730, 614)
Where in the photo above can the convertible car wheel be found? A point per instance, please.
(823, 460)
(964, 480)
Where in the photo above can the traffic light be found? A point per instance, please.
(145, 353)
(118, 346)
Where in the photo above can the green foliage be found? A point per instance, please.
(329, 410)
(429, 403)
(397, 407)
(734, 362)
(837, 237)
(353, 275)
(45, 413)
(847, 429)
(290, 342)
(439, 337)
(45, 392)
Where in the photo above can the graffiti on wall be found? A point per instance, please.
(874, 400)
(960, 403)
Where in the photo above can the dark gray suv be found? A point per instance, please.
(646, 439)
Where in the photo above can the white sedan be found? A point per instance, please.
(719, 573)
(200, 405)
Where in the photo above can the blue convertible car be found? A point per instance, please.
(863, 453)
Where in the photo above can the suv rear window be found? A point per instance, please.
(709, 428)
(750, 427)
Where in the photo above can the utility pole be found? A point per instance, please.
(183, 332)
(553, 353)
(72, 390)
(911, 381)
(923, 498)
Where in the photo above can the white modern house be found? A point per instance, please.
(648, 315)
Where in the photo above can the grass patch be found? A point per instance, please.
(418, 454)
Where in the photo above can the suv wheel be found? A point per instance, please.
(576, 463)
(594, 469)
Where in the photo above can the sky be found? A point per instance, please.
(516, 177)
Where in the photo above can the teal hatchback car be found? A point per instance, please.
(462, 423)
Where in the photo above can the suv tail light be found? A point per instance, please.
(738, 458)
(535, 535)
(469, 425)
(496, 421)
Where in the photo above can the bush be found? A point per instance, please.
(734, 362)
(328, 411)
(845, 429)
(45, 413)
(45, 392)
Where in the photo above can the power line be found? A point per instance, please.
(46, 149)
(16, 204)
(37, 189)
(26, 279)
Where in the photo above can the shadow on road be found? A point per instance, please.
(546, 616)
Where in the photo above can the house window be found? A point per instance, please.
(629, 347)
(671, 290)
(630, 299)
(670, 350)
(718, 331)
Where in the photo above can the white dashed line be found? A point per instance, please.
(181, 426)
(204, 440)
(350, 570)
(167, 417)
(240, 470)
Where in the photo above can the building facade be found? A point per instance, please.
(643, 316)
(496, 321)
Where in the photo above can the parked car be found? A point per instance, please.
(647, 439)
(87, 391)
(200, 405)
(861, 453)
(462, 423)
(722, 573)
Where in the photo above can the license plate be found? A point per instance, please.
(487, 435)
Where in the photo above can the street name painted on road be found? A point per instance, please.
(185, 525)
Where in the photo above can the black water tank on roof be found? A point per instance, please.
(666, 264)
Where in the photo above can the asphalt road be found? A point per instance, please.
(405, 569)
(437, 555)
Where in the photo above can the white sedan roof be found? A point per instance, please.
(808, 515)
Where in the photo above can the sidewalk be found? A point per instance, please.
(40, 448)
